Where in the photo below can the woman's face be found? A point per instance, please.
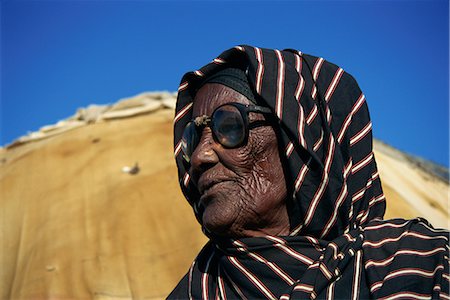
(243, 190)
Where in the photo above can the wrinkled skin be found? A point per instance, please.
(243, 190)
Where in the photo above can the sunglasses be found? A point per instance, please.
(229, 126)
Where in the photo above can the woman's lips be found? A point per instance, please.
(206, 182)
(208, 189)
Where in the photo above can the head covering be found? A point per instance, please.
(233, 78)
(337, 204)
(325, 131)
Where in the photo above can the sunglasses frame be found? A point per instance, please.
(202, 121)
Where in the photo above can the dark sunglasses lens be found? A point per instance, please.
(228, 126)
(189, 141)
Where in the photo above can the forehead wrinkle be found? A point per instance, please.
(212, 95)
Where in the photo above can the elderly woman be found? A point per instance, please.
(274, 153)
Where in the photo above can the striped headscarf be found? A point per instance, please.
(338, 246)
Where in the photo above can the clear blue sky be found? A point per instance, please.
(57, 56)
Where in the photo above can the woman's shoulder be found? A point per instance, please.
(406, 258)
(388, 231)
(394, 235)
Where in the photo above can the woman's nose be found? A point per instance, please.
(204, 155)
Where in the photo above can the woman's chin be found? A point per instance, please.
(217, 221)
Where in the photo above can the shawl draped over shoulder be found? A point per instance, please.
(339, 246)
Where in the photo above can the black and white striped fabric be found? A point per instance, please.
(339, 247)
